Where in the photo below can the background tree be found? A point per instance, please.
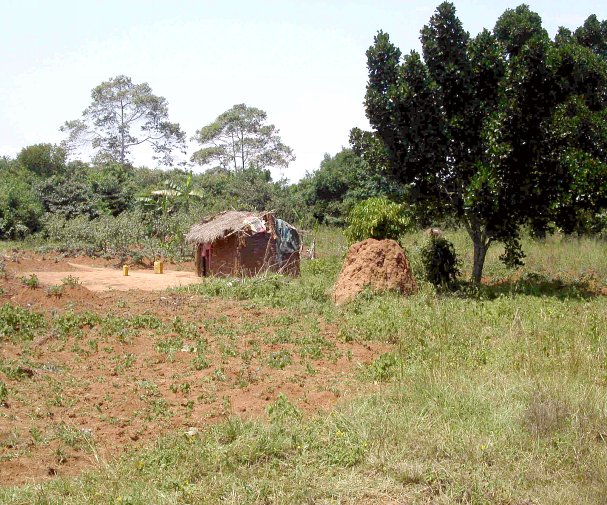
(20, 209)
(472, 128)
(340, 182)
(123, 115)
(239, 139)
(43, 160)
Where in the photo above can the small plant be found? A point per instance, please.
(383, 368)
(377, 218)
(200, 362)
(169, 345)
(279, 359)
(31, 282)
(283, 410)
(56, 291)
(3, 394)
(18, 323)
(441, 264)
(70, 281)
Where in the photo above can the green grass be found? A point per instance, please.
(486, 396)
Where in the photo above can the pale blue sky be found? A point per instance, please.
(301, 62)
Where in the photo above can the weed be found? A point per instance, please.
(3, 394)
(279, 359)
(56, 291)
(20, 324)
(169, 345)
(70, 281)
(31, 282)
(200, 362)
(383, 368)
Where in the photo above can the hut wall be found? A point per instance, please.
(224, 257)
(254, 251)
(291, 266)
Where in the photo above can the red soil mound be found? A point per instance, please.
(41, 298)
(379, 264)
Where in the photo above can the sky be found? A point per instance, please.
(303, 62)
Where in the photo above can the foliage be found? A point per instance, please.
(43, 160)
(441, 265)
(20, 210)
(377, 218)
(18, 323)
(123, 115)
(68, 197)
(130, 234)
(31, 282)
(482, 129)
(114, 186)
(340, 182)
(239, 139)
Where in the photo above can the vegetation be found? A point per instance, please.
(441, 265)
(498, 131)
(239, 139)
(487, 392)
(483, 396)
(123, 115)
(377, 218)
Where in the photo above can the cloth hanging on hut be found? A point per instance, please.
(287, 241)
(256, 224)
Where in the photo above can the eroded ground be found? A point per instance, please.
(102, 372)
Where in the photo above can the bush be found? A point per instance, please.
(441, 265)
(20, 210)
(377, 218)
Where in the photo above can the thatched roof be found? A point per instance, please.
(218, 226)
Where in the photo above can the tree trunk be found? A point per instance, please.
(480, 252)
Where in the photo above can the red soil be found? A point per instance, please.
(120, 391)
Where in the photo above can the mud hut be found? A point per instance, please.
(244, 243)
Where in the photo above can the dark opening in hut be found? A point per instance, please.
(244, 243)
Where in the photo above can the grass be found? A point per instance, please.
(486, 396)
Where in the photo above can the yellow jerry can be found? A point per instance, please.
(158, 267)
(125, 270)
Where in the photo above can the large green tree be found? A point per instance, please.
(497, 131)
(123, 115)
(44, 160)
(239, 139)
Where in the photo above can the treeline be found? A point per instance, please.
(104, 207)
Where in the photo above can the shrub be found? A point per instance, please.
(19, 323)
(31, 282)
(441, 265)
(20, 210)
(377, 218)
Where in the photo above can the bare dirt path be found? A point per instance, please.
(104, 279)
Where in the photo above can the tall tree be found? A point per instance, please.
(239, 139)
(123, 115)
(476, 129)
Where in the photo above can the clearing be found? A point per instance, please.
(107, 369)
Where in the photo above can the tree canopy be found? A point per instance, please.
(123, 115)
(239, 139)
(500, 130)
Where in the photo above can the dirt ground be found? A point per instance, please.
(101, 275)
(115, 369)
(103, 279)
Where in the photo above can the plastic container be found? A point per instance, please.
(158, 267)
(125, 270)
